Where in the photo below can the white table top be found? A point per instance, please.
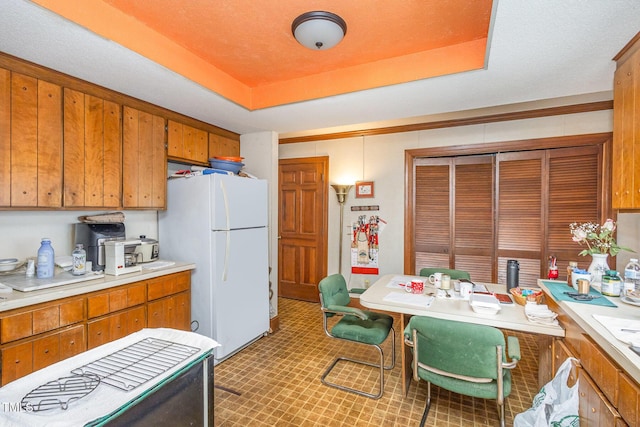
(511, 316)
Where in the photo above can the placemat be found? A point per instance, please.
(558, 290)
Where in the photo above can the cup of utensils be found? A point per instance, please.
(415, 286)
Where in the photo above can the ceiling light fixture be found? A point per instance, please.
(319, 30)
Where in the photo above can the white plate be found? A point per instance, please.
(628, 301)
(9, 264)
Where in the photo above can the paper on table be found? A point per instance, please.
(398, 282)
(626, 330)
(418, 300)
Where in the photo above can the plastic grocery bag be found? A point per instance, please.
(556, 404)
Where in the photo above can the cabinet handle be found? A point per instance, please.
(17, 361)
(72, 342)
(593, 410)
(99, 333)
(46, 351)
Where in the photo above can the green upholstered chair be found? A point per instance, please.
(463, 358)
(454, 274)
(355, 325)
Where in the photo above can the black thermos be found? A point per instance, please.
(513, 274)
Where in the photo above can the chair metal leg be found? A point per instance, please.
(380, 366)
(501, 412)
(427, 406)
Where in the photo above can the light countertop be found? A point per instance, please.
(619, 351)
(17, 299)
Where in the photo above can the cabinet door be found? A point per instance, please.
(46, 351)
(145, 161)
(560, 354)
(171, 312)
(187, 143)
(92, 151)
(222, 146)
(98, 332)
(36, 142)
(629, 400)
(17, 361)
(5, 137)
(626, 131)
(72, 341)
(593, 407)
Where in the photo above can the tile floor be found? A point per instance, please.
(276, 382)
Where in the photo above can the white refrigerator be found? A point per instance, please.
(219, 222)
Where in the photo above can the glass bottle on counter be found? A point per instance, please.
(46, 260)
(79, 257)
(572, 265)
(632, 276)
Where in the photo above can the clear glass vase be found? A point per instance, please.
(598, 267)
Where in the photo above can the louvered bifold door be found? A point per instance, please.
(520, 213)
(474, 245)
(432, 212)
(573, 196)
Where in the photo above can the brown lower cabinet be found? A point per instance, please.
(37, 336)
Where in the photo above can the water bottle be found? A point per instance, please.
(79, 257)
(46, 260)
(513, 273)
(631, 276)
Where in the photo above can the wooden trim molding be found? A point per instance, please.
(491, 118)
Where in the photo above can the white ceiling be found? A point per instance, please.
(540, 49)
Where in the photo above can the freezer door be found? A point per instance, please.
(240, 289)
(238, 202)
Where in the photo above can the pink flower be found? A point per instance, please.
(579, 235)
(609, 226)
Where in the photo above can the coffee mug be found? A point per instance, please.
(436, 279)
(465, 290)
(414, 286)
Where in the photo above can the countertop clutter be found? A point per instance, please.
(17, 299)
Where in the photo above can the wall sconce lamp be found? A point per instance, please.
(341, 192)
(319, 30)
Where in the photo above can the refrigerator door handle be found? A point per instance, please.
(227, 252)
(226, 203)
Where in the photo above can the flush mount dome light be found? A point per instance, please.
(319, 30)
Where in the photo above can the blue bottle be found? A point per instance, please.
(46, 260)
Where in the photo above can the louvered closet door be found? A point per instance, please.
(520, 214)
(574, 186)
(454, 214)
(473, 212)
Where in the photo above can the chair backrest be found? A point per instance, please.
(333, 291)
(454, 274)
(457, 347)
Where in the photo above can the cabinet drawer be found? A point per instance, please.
(114, 326)
(115, 300)
(46, 351)
(48, 318)
(603, 371)
(171, 312)
(168, 285)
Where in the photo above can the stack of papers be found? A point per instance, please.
(540, 313)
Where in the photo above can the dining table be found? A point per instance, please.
(389, 294)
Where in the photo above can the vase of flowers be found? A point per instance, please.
(600, 244)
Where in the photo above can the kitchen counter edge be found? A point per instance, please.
(17, 299)
(582, 314)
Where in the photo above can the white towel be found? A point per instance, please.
(626, 330)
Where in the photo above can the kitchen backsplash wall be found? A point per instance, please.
(22, 231)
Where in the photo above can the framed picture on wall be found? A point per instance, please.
(364, 189)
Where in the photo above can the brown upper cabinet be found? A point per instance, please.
(223, 146)
(30, 141)
(92, 151)
(626, 128)
(145, 160)
(186, 143)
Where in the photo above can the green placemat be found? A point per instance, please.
(558, 290)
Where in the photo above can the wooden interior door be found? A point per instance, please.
(302, 226)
